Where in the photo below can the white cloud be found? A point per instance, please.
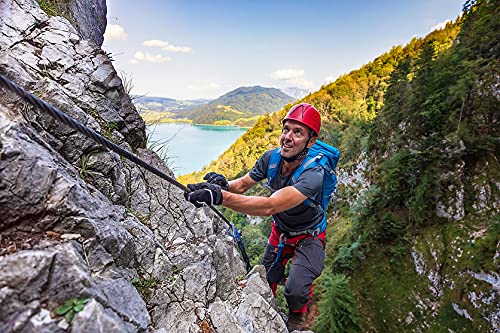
(292, 76)
(155, 58)
(154, 43)
(440, 25)
(115, 32)
(164, 45)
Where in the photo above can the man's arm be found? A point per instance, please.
(240, 185)
(281, 200)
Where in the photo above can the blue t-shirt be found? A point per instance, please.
(309, 183)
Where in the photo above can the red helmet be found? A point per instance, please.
(306, 114)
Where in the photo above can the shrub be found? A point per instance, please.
(337, 307)
(348, 256)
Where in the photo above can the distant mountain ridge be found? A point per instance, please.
(240, 107)
(295, 92)
(162, 104)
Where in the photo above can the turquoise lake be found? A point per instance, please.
(190, 147)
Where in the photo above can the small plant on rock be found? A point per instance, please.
(144, 286)
(85, 167)
(71, 307)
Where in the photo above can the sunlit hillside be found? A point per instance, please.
(413, 245)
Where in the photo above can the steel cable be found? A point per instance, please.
(65, 119)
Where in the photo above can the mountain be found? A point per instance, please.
(295, 92)
(163, 104)
(413, 238)
(241, 106)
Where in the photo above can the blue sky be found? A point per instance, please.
(187, 49)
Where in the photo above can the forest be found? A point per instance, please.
(420, 124)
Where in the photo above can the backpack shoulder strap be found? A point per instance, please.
(308, 162)
(274, 163)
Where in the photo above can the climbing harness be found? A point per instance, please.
(91, 134)
(276, 271)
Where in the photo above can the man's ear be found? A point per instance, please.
(311, 142)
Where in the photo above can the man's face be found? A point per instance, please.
(294, 136)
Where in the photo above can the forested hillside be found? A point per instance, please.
(347, 106)
(241, 107)
(156, 110)
(163, 104)
(414, 243)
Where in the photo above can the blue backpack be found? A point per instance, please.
(319, 154)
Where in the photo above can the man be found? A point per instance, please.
(295, 223)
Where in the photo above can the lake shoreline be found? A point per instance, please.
(212, 125)
(169, 121)
(190, 147)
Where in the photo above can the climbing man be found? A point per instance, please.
(298, 224)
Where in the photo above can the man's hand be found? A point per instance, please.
(218, 179)
(204, 193)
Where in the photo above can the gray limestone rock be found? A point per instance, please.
(249, 309)
(81, 222)
(122, 297)
(222, 319)
(90, 19)
(95, 318)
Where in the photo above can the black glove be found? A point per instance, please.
(217, 178)
(209, 194)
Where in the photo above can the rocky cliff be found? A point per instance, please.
(90, 242)
(448, 278)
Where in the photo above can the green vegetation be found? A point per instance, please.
(56, 8)
(255, 236)
(241, 107)
(339, 313)
(162, 117)
(144, 286)
(85, 169)
(387, 288)
(420, 123)
(110, 126)
(71, 307)
(280, 298)
(241, 103)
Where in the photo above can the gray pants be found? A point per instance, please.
(307, 265)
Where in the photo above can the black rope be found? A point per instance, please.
(61, 116)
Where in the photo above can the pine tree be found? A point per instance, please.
(338, 310)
